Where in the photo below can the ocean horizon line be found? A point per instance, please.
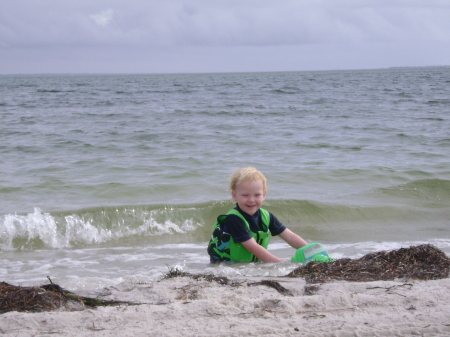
(215, 72)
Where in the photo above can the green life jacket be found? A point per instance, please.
(223, 245)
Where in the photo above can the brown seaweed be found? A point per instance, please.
(47, 297)
(33, 299)
(423, 262)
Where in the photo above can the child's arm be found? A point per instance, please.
(259, 251)
(292, 239)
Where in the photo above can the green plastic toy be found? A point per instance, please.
(312, 252)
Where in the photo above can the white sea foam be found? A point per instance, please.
(40, 228)
(36, 225)
(82, 231)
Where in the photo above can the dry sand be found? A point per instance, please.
(187, 307)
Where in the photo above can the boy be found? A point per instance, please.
(244, 233)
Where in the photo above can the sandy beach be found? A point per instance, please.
(198, 307)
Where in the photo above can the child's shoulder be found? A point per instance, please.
(234, 217)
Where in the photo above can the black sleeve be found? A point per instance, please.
(235, 226)
(276, 227)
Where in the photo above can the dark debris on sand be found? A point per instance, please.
(33, 299)
(272, 284)
(47, 297)
(175, 272)
(423, 262)
(226, 281)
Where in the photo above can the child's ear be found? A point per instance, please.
(233, 195)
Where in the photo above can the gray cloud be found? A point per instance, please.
(149, 27)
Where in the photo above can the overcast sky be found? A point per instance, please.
(171, 36)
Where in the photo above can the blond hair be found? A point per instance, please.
(247, 174)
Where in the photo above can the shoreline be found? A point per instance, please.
(198, 307)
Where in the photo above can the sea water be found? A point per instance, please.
(118, 178)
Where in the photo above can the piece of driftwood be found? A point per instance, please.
(423, 262)
(47, 297)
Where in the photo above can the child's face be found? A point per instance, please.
(249, 195)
